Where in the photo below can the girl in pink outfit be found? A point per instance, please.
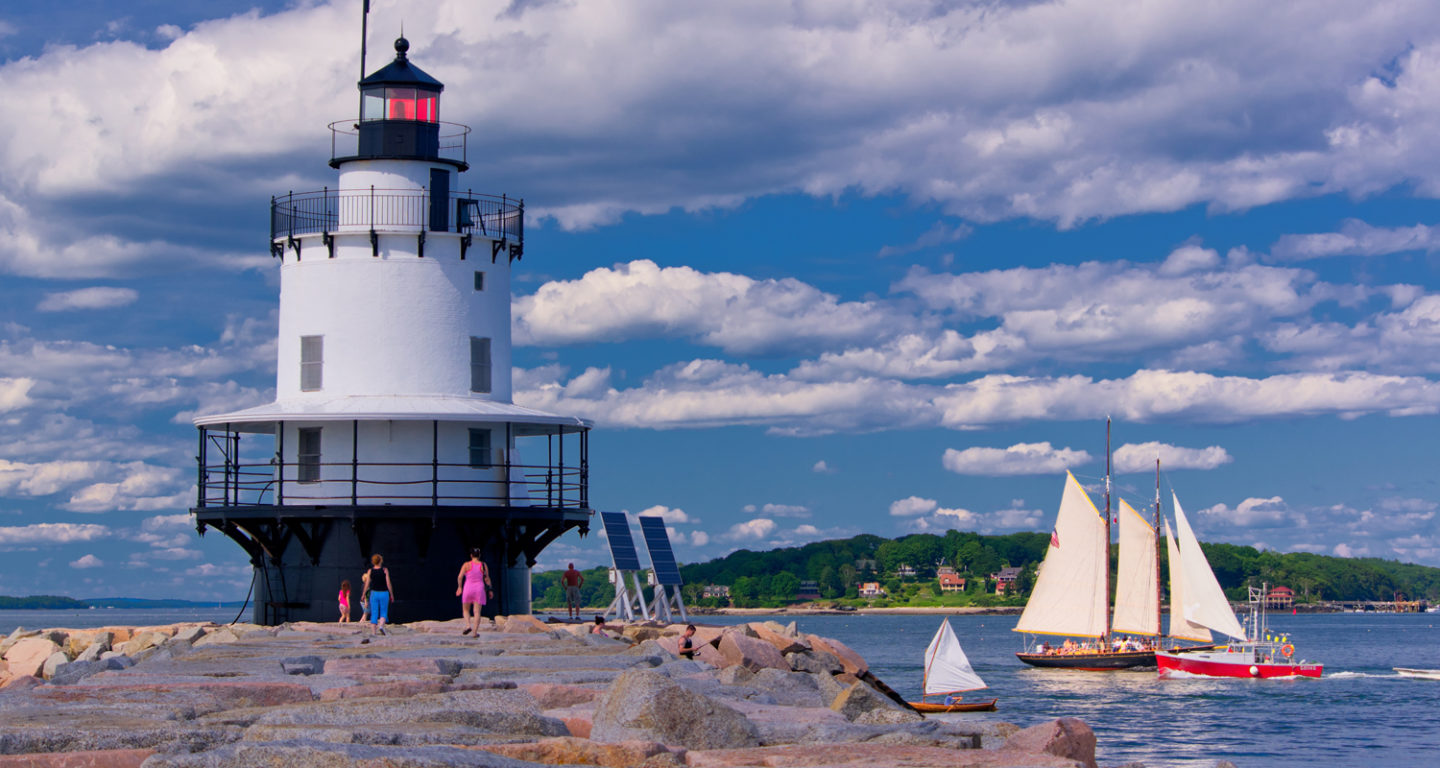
(472, 584)
(344, 601)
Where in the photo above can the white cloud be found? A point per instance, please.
(640, 299)
(707, 393)
(1356, 238)
(911, 506)
(51, 533)
(699, 538)
(1018, 459)
(1140, 457)
(821, 468)
(784, 510)
(88, 561)
(88, 298)
(671, 515)
(15, 393)
(1250, 513)
(751, 530)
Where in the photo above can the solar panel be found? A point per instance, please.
(622, 547)
(662, 558)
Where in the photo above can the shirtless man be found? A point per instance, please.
(572, 580)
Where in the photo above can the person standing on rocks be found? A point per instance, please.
(380, 586)
(572, 579)
(471, 587)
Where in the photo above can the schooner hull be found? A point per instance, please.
(1092, 662)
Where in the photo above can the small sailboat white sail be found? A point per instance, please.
(947, 673)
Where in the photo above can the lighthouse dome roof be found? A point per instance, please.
(401, 72)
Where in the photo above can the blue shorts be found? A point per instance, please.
(379, 607)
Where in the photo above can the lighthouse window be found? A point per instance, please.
(480, 448)
(479, 364)
(312, 362)
(307, 459)
(479, 280)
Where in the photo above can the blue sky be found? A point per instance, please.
(814, 269)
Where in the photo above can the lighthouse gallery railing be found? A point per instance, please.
(334, 210)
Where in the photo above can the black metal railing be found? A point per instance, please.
(345, 140)
(330, 210)
(259, 484)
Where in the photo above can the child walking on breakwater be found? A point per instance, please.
(345, 601)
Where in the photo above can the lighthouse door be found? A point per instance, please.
(439, 200)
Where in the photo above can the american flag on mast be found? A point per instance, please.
(1055, 538)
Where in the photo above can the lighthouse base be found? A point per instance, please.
(302, 555)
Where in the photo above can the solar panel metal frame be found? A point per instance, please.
(662, 557)
(622, 546)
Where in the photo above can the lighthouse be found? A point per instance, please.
(393, 431)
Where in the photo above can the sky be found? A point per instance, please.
(813, 268)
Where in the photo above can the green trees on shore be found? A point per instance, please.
(839, 567)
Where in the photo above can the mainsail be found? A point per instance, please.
(1205, 603)
(1137, 597)
(947, 670)
(1179, 627)
(1069, 595)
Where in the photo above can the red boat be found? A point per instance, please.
(1261, 660)
(1260, 654)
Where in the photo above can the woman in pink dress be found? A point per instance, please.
(471, 586)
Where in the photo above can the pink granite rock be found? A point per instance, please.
(782, 643)
(567, 750)
(524, 625)
(392, 689)
(853, 662)
(866, 755)
(751, 653)
(103, 758)
(28, 656)
(1067, 737)
(710, 655)
(370, 667)
(556, 695)
(205, 697)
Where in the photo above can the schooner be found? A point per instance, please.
(1072, 587)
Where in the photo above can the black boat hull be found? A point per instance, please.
(1095, 662)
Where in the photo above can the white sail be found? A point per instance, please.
(947, 670)
(1137, 596)
(1205, 603)
(1069, 595)
(1179, 627)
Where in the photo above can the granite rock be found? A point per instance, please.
(1066, 737)
(647, 706)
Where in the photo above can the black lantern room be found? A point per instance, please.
(400, 112)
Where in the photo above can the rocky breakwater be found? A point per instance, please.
(520, 693)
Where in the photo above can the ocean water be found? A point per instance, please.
(105, 617)
(1360, 713)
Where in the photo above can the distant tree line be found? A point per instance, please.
(42, 602)
(773, 578)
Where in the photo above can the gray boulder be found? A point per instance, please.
(303, 665)
(648, 706)
(78, 670)
(862, 704)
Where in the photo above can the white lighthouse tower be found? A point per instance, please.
(392, 429)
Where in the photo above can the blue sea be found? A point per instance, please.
(1360, 713)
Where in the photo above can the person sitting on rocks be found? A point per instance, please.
(687, 642)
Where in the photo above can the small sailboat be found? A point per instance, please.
(1199, 606)
(947, 673)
